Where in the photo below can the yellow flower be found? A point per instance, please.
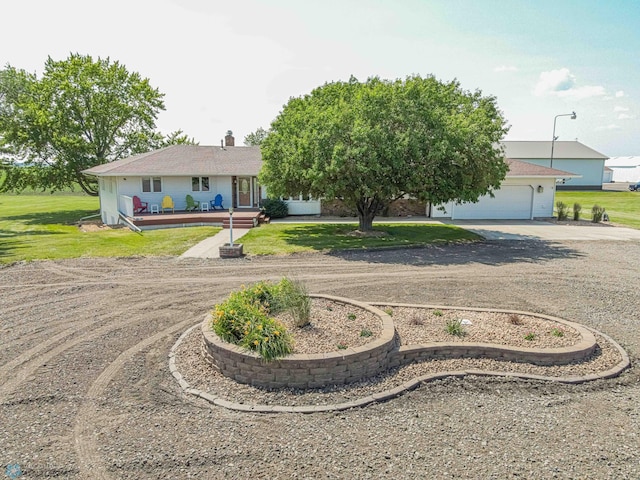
(256, 343)
(259, 327)
(276, 333)
(266, 339)
(246, 332)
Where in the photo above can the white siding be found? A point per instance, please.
(298, 206)
(516, 200)
(178, 188)
(109, 200)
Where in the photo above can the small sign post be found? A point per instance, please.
(231, 226)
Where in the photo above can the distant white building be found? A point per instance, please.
(625, 169)
(570, 156)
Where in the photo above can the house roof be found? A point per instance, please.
(570, 150)
(633, 161)
(187, 160)
(194, 160)
(518, 168)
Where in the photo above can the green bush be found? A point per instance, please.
(454, 327)
(292, 297)
(275, 208)
(596, 213)
(563, 210)
(577, 208)
(269, 338)
(243, 318)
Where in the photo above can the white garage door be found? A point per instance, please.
(511, 202)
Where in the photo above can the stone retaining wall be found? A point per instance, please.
(353, 364)
(299, 370)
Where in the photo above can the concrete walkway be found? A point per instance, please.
(209, 247)
(539, 230)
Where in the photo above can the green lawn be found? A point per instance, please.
(285, 238)
(622, 207)
(42, 227)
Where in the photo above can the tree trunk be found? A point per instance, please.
(367, 209)
(365, 222)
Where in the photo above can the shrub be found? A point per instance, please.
(365, 332)
(454, 327)
(437, 313)
(563, 210)
(269, 338)
(293, 298)
(557, 332)
(351, 316)
(275, 207)
(596, 213)
(576, 211)
(530, 336)
(243, 319)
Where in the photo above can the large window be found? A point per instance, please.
(151, 184)
(199, 184)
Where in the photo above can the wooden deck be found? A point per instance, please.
(245, 218)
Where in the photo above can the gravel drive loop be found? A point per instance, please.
(64, 324)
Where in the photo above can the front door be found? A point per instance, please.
(244, 192)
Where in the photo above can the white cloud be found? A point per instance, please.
(561, 83)
(619, 94)
(625, 116)
(611, 126)
(505, 68)
(580, 93)
(554, 81)
(620, 109)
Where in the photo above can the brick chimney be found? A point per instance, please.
(229, 141)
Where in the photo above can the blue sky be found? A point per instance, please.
(233, 64)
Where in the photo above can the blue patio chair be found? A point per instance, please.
(217, 202)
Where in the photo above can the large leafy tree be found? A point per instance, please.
(81, 113)
(370, 143)
(255, 138)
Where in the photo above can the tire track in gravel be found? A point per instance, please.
(90, 464)
(39, 355)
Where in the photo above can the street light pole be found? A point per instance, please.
(553, 138)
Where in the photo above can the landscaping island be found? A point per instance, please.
(351, 353)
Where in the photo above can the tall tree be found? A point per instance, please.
(81, 113)
(256, 138)
(374, 142)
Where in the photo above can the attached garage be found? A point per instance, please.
(511, 202)
(527, 192)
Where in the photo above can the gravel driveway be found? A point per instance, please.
(85, 390)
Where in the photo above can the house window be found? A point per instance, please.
(199, 184)
(151, 184)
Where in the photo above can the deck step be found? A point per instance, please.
(241, 223)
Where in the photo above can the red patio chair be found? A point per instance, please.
(139, 206)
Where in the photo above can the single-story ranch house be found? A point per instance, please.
(203, 172)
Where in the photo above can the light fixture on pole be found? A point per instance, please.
(554, 138)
